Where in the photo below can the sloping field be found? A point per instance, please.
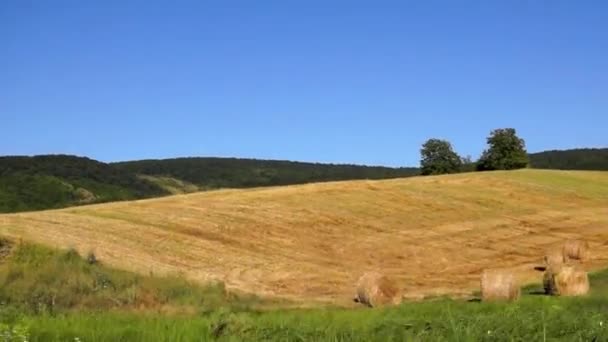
(311, 242)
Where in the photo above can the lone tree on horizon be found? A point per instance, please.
(438, 157)
(506, 151)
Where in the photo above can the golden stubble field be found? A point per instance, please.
(310, 243)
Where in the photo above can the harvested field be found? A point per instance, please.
(310, 243)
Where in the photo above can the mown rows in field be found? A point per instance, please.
(307, 243)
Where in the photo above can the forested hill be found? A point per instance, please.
(55, 181)
(243, 173)
(575, 159)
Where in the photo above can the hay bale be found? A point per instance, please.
(554, 257)
(375, 289)
(499, 285)
(577, 250)
(566, 280)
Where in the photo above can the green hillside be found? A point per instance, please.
(55, 181)
(213, 173)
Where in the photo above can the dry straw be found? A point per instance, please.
(554, 257)
(566, 280)
(577, 250)
(375, 289)
(499, 285)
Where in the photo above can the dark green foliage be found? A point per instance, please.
(576, 159)
(20, 192)
(213, 173)
(438, 157)
(74, 169)
(468, 165)
(56, 181)
(506, 151)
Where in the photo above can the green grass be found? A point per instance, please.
(572, 182)
(51, 295)
(38, 280)
(534, 318)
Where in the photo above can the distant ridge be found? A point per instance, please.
(56, 181)
(244, 173)
(574, 159)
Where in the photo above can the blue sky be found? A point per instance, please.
(362, 82)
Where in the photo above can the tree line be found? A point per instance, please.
(575, 159)
(55, 181)
(505, 151)
(211, 173)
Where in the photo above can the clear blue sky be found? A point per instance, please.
(332, 81)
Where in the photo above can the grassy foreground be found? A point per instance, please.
(534, 318)
(38, 280)
(48, 295)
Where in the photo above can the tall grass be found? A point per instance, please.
(49, 295)
(39, 280)
(534, 318)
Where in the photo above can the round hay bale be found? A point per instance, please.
(499, 285)
(375, 289)
(554, 257)
(566, 280)
(577, 250)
